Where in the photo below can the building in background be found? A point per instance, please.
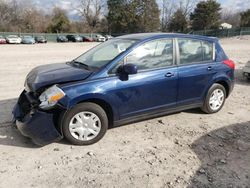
(226, 26)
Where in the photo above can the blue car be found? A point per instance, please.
(123, 80)
(28, 40)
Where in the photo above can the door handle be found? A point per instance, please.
(209, 68)
(169, 74)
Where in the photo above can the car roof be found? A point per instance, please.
(146, 36)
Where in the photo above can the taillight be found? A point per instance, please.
(229, 63)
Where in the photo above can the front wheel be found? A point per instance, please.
(215, 99)
(85, 124)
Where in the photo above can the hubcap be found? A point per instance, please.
(216, 99)
(85, 126)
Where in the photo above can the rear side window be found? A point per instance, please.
(152, 55)
(207, 51)
(195, 51)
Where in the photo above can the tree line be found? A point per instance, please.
(120, 16)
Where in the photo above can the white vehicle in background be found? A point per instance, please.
(13, 39)
(99, 38)
(107, 37)
(246, 70)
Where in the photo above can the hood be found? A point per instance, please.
(54, 74)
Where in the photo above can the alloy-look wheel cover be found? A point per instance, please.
(216, 99)
(85, 126)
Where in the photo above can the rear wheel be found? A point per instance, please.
(85, 124)
(215, 99)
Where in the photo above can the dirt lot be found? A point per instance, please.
(186, 149)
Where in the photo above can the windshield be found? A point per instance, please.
(102, 54)
(12, 36)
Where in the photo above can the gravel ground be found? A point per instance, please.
(186, 149)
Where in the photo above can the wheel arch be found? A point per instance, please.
(218, 80)
(111, 113)
(105, 105)
(225, 85)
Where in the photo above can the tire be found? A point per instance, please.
(75, 126)
(214, 91)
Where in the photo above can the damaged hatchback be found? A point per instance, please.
(123, 80)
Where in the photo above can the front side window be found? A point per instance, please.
(101, 55)
(152, 55)
(194, 51)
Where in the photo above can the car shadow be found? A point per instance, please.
(195, 111)
(9, 135)
(225, 157)
(6, 109)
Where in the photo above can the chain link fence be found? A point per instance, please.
(221, 33)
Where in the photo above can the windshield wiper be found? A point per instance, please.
(80, 64)
(88, 67)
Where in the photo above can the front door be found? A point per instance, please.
(154, 87)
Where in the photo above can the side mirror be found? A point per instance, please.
(124, 70)
(127, 69)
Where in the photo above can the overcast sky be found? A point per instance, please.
(232, 5)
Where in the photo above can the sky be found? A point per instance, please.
(235, 5)
(47, 5)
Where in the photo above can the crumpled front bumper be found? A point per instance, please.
(34, 123)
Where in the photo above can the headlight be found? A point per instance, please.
(50, 97)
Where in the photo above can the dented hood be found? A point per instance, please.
(54, 74)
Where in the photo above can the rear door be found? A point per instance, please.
(196, 67)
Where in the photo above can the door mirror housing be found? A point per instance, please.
(127, 69)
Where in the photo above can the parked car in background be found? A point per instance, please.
(40, 39)
(87, 39)
(13, 39)
(2, 40)
(28, 40)
(61, 38)
(107, 37)
(126, 79)
(246, 70)
(99, 38)
(74, 38)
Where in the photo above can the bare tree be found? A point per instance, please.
(231, 17)
(91, 12)
(169, 7)
(187, 6)
(22, 16)
(5, 15)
